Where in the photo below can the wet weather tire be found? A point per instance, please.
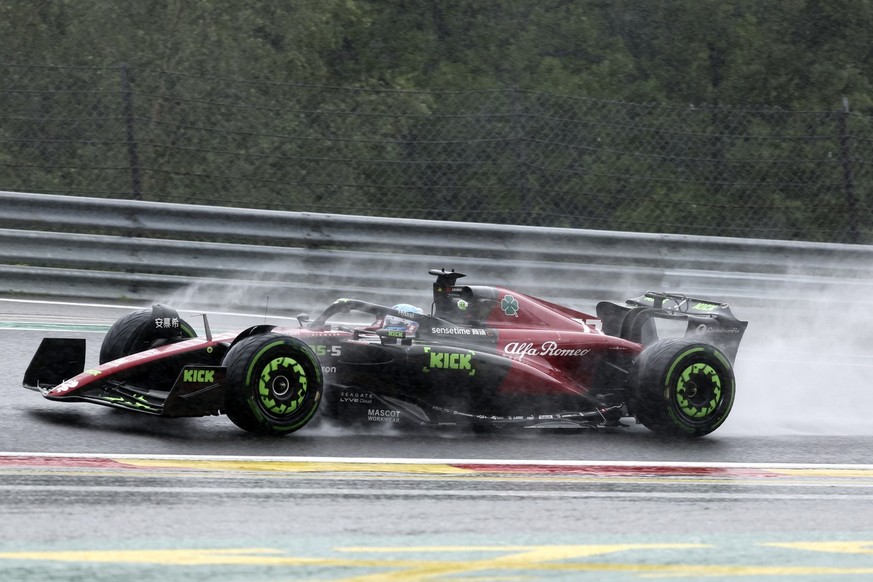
(273, 384)
(682, 387)
(136, 332)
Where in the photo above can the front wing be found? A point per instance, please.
(162, 387)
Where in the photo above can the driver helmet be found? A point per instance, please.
(395, 323)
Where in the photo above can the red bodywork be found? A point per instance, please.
(481, 354)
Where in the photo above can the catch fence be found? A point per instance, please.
(503, 156)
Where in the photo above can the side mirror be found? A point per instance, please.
(303, 319)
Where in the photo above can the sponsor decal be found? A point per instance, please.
(458, 331)
(509, 305)
(351, 397)
(704, 307)
(328, 333)
(590, 325)
(450, 361)
(382, 415)
(64, 386)
(704, 329)
(166, 322)
(119, 362)
(202, 376)
(519, 350)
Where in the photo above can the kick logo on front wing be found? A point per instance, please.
(198, 375)
(202, 375)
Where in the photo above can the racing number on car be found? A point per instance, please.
(322, 350)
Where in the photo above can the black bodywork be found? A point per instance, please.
(484, 356)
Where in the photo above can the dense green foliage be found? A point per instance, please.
(797, 54)
(699, 116)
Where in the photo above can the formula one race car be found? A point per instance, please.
(484, 356)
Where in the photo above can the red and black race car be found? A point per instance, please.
(484, 356)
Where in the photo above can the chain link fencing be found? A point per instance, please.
(503, 156)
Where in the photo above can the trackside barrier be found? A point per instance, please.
(235, 258)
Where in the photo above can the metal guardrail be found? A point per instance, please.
(200, 256)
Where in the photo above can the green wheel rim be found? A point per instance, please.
(282, 386)
(698, 392)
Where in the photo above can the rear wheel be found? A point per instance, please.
(682, 387)
(273, 384)
(141, 330)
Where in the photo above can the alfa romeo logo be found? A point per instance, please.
(509, 305)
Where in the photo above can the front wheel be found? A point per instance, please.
(681, 387)
(143, 329)
(273, 384)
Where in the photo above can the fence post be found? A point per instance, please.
(848, 177)
(132, 153)
(518, 133)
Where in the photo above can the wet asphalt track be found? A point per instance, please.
(97, 494)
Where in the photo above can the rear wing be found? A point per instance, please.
(708, 321)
